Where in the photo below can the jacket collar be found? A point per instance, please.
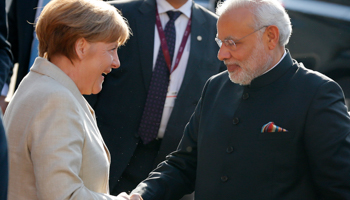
(45, 67)
(274, 74)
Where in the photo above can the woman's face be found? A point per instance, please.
(101, 58)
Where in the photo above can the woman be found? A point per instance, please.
(56, 149)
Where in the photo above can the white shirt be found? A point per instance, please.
(179, 73)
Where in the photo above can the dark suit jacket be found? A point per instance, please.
(119, 106)
(21, 14)
(224, 155)
(5, 54)
(5, 66)
(4, 166)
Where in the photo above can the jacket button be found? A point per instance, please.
(229, 149)
(245, 96)
(224, 178)
(235, 120)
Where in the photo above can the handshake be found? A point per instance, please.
(125, 196)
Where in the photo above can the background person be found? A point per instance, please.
(267, 128)
(56, 150)
(4, 163)
(5, 66)
(5, 53)
(121, 107)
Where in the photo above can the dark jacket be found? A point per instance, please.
(224, 154)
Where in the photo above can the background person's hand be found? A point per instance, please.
(3, 103)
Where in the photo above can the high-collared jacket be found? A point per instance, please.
(225, 155)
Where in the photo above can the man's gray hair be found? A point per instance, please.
(266, 12)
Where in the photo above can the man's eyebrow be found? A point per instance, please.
(227, 38)
(230, 38)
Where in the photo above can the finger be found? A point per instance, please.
(135, 197)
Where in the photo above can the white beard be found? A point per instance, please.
(256, 64)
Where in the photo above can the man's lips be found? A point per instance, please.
(231, 67)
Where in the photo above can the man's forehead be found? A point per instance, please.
(233, 22)
(237, 15)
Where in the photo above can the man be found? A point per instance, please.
(268, 128)
(5, 54)
(5, 66)
(121, 106)
(21, 32)
(4, 173)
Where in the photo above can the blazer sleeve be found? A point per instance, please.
(56, 144)
(327, 142)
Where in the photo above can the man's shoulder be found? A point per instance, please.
(126, 4)
(206, 13)
(311, 75)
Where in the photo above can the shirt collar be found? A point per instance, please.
(163, 6)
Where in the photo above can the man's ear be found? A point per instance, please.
(273, 36)
(81, 47)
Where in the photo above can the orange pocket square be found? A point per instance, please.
(271, 127)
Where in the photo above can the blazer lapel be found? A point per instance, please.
(145, 33)
(199, 38)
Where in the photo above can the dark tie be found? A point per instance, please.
(153, 110)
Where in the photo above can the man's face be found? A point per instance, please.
(250, 57)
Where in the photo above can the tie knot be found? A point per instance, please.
(173, 15)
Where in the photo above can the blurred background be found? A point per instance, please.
(320, 38)
(8, 4)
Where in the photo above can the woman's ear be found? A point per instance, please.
(273, 36)
(81, 47)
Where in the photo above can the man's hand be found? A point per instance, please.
(3, 103)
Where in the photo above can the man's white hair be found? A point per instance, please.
(266, 13)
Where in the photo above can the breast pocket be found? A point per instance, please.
(276, 135)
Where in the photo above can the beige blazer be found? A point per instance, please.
(56, 150)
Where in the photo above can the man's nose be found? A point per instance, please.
(223, 53)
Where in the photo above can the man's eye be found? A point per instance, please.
(230, 42)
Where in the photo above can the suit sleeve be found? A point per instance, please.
(3, 163)
(55, 142)
(327, 142)
(5, 53)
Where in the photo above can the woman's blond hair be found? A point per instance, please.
(63, 22)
